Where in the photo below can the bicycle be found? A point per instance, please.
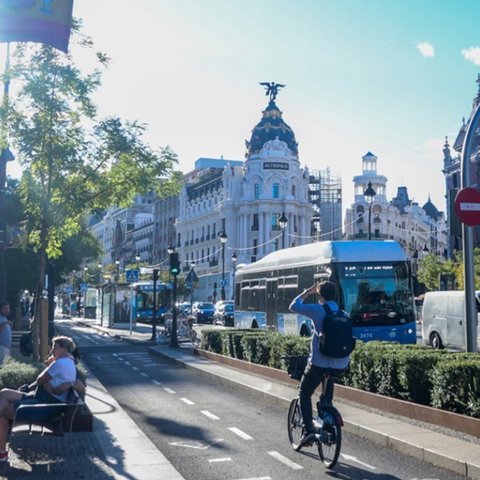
(328, 424)
(184, 330)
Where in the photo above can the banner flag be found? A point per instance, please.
(42, 21)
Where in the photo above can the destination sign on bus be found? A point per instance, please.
(359, 271)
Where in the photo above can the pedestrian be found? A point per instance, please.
(5, 331)
(52, 384)
(318, 364)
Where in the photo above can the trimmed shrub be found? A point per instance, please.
(456, 386)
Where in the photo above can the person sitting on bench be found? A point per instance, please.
(53, 384)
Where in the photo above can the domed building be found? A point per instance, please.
(256, 206)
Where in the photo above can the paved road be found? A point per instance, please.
(208, 431)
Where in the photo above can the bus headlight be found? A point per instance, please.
(409, 331)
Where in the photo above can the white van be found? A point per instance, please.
(443, 319)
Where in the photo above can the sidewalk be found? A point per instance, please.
(459, 455)
(116, 449)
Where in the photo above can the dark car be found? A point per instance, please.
(224, 314)
(203, 312)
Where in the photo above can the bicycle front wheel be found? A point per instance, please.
(330, 444)
(295, 424)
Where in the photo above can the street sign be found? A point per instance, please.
(192, 278)
(131, 276)
(467, 206)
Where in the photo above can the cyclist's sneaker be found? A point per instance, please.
(307, 443)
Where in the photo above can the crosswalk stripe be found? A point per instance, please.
(210, 415)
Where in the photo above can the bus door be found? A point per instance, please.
(271, 306)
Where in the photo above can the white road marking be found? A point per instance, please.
(286, 461)
(218, 460)
(210, 415)
(135, 368)
(156, 382)
(241, 434)
(187, 401)
(127, 363)
(196, 445)
(169, 390)
(356, 460)
(143, 374)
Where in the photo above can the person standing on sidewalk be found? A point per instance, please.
(318, 364)
(5, 331)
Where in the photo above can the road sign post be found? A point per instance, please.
(468, 267)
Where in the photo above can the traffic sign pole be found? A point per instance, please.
(468, 267)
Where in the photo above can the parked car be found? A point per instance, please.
(224, 314)
(203, 312)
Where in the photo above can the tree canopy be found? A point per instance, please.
(72, 161)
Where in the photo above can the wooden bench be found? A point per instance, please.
(57, 417)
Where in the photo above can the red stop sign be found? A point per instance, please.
(467, 206)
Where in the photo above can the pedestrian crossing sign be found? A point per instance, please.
(131, 276)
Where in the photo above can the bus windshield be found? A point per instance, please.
(377, 294)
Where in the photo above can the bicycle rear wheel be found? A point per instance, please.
(295, 424)
(330, 444)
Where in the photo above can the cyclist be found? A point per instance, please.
(318, 364)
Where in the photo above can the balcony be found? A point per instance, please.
(254, 228)
(213, 263)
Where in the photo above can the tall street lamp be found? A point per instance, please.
(138, 257)
(223, 239)
(174, 271)
(191, 275)
(283, 222)
(234, 263)
(369, 195)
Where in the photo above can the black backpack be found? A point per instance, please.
(336, 337)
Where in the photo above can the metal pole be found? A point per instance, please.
(174, 340)
(223, 272)
(468, 267)
(370, 221)
(154, 305)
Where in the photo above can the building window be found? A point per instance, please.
(256, 191)
(274, 221)
(294, 191)
(255, 222)
(276, 190)
(255, 247)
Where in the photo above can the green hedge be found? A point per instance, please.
(14, 373)
(415, 373)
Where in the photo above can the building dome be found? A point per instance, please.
(271, 127)
(431, 210)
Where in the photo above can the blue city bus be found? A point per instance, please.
(373, 281)
(142, 301)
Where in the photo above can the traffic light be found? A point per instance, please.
(155, 274)
(174, 264)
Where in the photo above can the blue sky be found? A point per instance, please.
(384, 76)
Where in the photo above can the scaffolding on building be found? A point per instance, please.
(325, 193)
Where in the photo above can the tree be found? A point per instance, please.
(431, 268)
(72, 161)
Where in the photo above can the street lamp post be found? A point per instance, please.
(174, 272)
(137, 259)
(369, 194)
(223, 239)
(234, 263)
(283, 222)
(192, 270)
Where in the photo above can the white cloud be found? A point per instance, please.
(472, 54)
(426, 49)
